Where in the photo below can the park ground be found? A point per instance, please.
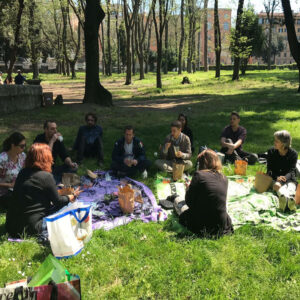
(160, 260)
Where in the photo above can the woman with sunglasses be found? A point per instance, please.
(12, 160)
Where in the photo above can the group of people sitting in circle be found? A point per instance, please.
(28, 183)
(19, 79)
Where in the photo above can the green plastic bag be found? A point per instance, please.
(51, 269)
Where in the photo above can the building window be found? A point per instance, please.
(298, 29)
(208, 26)
(298, 22)
(284, 55)
(226, 26)
(260, 21)
(226, 16)
(284, 29)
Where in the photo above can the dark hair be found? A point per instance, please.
(90, 114)
(128, 127)
(176, 124)
(15, 138)
(47, 122)
(209, 160)
(39, 157)
(235, 113)
(185, 117)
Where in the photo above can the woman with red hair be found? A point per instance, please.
(205, 210)
(35, 195)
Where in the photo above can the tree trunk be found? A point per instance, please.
(217, 39)
(166, 48)
(109, 66)
(33, 35)
(118, 40)
(128, 57)
(270, 45)
(205, 56)
(148, 48)
(73, 72)
(181, 37)
(132, 51)
(14, 50)
(94, 91)
(158, 67)
(291, 33)
(244, 63)
(236, 67)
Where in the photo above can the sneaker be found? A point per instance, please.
(292, 204)
(282, 202)
(145, 174)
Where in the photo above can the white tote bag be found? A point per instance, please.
(69, 229)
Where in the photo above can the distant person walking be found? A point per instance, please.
(20, 79)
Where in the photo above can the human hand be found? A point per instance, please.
(276, 186)
(167, 146)
(128, 162)
(179, 154)
(11, 184)
(229, 152)
(134, 162)
(230, 147)
(281, 178)
(74, 166)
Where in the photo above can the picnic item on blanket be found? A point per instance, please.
(70, 179)
(169, 202)
(69, 229)
(240, 167)
(297, 196)
(126, 199)
(65, 191)
(262, 182)
(177, 171)
(91, 174)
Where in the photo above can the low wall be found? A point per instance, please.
(19, 97)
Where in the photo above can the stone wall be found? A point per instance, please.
(19, 97)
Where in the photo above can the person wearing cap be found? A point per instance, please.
(20, 79)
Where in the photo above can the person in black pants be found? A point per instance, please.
(232, 140)
(89, 140)
(128, 156)
(35, 195)
(54, 139)
(204, 209)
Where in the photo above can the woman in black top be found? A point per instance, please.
(35, 195)
(185, 129)
(206, 199)
(281, 166)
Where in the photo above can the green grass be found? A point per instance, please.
(160, 260)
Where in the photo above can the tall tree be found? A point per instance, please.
(94, 91)
(291, 33)
(270, 6)
(16, 39)
(108, 61)
(159, 25)
(237, 37)
(191, 12)
(217, 39)
(182, 37)
(129, 23)
(205, 51)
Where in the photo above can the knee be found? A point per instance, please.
(188, 165)
(276, 186)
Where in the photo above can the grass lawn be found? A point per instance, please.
(158, 260)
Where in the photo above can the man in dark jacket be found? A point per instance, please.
(89, 140)
(129, 156)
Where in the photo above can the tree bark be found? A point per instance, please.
(291, 33)
(33, 36)
(217, 39)
(109, 65)
(166, 48)
(181, 43)
(236, 67)
(94, 91)
(14, 50)
(205, 54)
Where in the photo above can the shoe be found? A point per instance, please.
(282, 202)
(292, 204)
(145, 174)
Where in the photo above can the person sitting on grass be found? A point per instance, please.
(129, 155)
(185, 129)
(20, 79)
(54, 139)
(35, 194)
(281, 166)
(89, 140)
(12, 161)
(177, 148)
(232, 140)
(204, 210)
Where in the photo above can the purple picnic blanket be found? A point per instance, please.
(108, 214)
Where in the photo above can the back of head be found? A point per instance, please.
(176, 124)
(209, 160)
(14, 139)
(39, 157)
